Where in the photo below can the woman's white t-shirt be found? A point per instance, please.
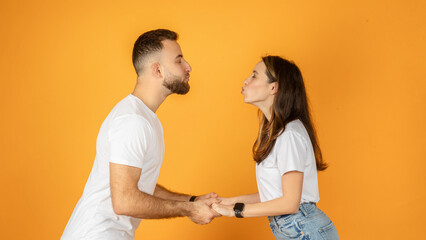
(292, 151)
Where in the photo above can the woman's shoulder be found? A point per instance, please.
(294, 129)
(295, 126)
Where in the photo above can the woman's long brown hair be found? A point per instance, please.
(290, 103)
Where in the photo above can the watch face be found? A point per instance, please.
(239, 206)
(238, 209)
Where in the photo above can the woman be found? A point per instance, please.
(287, 155)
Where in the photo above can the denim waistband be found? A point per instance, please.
(304, 208)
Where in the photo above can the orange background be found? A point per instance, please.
(65, 64)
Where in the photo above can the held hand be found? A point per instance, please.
(225, 210)
(202, 213)
(210, 202)
(207, 196)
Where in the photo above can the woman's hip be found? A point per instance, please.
(309, 223)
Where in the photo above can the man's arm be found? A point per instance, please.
(162, 192)
(128, 200)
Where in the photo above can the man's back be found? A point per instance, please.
(131, 135)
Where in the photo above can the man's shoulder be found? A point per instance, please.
(128, 107)
(132, 121)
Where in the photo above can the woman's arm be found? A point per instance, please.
(292, 183)
(249, 198)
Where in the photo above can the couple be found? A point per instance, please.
(122, 187)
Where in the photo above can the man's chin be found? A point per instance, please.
(178, 88)
(183, 91)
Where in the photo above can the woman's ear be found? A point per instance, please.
(156, 70)
(274, 88)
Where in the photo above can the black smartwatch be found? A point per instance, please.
(238, 209)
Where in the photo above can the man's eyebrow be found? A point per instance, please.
(254, 71)
(179, 56)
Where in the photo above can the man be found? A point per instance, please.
(122, 187)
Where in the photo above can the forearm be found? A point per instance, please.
(292, 183)
(247, 199)
(141, 205)
(128, 200)
(163, 193)
(279, 206)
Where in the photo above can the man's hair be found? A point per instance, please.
(149, 43)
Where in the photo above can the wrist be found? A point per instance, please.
(186, 208)
(228, 200)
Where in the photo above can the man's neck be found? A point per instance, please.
(151, 95)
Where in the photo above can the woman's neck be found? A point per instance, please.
(266, 109)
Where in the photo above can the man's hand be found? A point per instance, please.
(202, 212)
(210, 196)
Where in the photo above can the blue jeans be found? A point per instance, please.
(310, 223)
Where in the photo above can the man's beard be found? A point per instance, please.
(176, 85)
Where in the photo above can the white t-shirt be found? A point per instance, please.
(131, 135)
(292, 151)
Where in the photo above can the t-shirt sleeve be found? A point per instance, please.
(128, 138)
(291, 152)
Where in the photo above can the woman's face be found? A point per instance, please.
(257, 90)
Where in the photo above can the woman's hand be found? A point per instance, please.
(207, 196)
(225, 210)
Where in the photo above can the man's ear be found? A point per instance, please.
(274, 88)
(156, 70)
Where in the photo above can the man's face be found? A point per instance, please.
(175, 68)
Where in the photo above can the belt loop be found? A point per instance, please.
(303, 210)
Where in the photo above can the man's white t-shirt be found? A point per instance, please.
(131, 135)
(292, 151)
